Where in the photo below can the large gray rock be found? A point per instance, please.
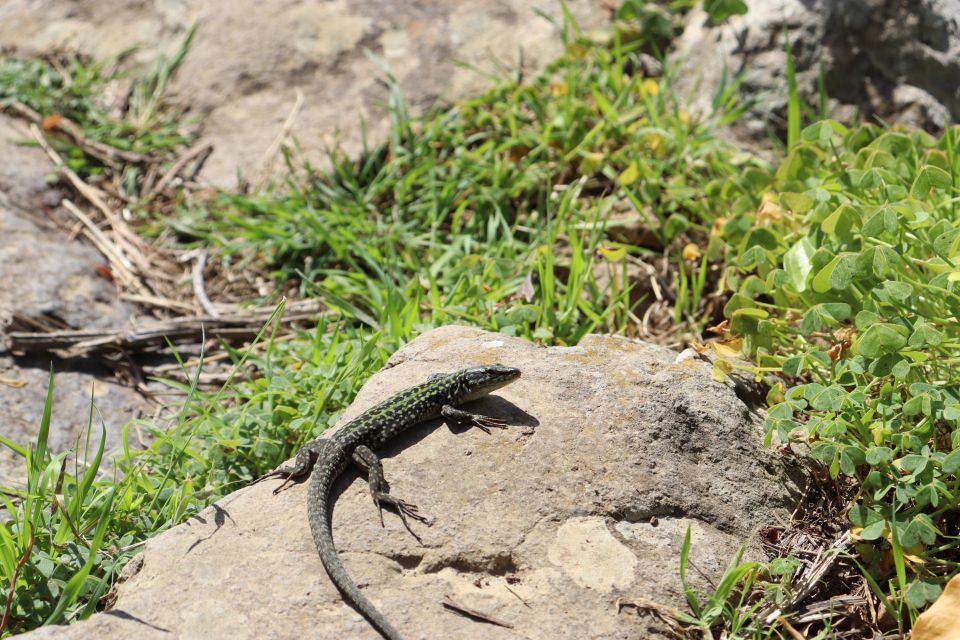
(250, 58)
(896, 60)
(616, 451)
(25, 173)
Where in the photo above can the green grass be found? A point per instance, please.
(71, 86)
(464, 207)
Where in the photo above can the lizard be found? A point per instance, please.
(327, 458)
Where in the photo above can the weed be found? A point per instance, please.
(847, 286)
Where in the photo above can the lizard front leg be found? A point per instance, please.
(366, 459)
(465, 417)
(302, 465)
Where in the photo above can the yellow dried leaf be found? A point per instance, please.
(721, 328)
(651, 87)
(769, 211)
(717, 228)
(577, 52)
(558, 89)
(691, 252)
(613, 254)
(683, 116)
(942, 620)
(13, 382)
(653, 141)
(629, 175)
(719, 372)
(726, 350)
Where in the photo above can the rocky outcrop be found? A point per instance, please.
(899, 61)
(250, 59)
(615, 451)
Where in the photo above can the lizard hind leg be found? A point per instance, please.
(367, 460)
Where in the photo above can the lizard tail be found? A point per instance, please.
(319, 516)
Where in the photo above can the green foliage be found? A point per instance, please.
(845, 282)
(661, 21)
(720, 10)
(496, 211)
(728, 604)
(46, 555)
(73, 87)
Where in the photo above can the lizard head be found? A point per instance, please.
(476, 382)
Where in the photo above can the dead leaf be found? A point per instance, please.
(691, 252)
(720, 329)
(727, 348)
(558, 89)
(835, 352)
(51, 122)
(11, 382)
(942, 620)
(769, 211)
(526, 290)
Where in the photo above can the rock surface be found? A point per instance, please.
(47, 274)
(250, 58)
(615, 452)
(896, 60)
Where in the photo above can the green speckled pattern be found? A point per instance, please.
(373, 428)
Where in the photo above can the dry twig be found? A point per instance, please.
(75, 343)
(70, 130)
(119, 263)
(267, 159)
(808, 579)
(473, 613)
(199, 289)
(198, 152)
(125, 236)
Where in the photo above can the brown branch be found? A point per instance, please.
(473, 613)
(202, 151)
(76, 343)
(128, 240)
(56, 123)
